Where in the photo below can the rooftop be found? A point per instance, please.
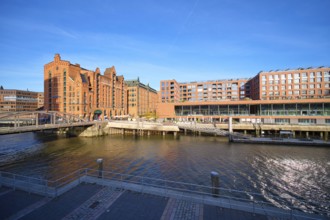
(292, 69)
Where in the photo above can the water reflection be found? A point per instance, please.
(289, 173)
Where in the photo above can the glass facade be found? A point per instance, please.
(299, 109)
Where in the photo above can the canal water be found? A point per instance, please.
(288, 173)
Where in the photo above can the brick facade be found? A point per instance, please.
(142, 99)
(291, 84)
(73, 89)
(303, 94)
(231, 89)
(19, 100)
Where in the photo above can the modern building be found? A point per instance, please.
(212, 90)
(18, 100)
(142, 99)
(72, 89)
(291, 84)
(290, 96)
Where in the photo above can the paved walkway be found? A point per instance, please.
(92, 201)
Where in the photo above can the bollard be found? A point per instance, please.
(100, 162)
(215, 184)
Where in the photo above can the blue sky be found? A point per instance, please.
(155, 40)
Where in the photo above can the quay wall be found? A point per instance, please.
(130, 128)
(321, 131)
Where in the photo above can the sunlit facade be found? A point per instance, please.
(142, 99)
(309, 83)
(72, 89)
(212, 90)
(290, 96)
(19, 100)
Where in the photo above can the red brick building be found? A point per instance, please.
(291, 84)
(73, 89)
(212, 90)
(19, 100)
(290, 96)
(142, 99)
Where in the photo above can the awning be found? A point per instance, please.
(98, 112)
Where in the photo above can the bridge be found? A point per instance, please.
(19, 122)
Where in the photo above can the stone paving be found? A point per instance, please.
(96, 205)
(92, 201)
(179, 209)
(61, 206)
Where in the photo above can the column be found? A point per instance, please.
(326, 134)
(230, 124)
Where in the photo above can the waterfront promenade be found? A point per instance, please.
(93, 196)
(91, 201)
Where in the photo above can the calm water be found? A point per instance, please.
(288, 172)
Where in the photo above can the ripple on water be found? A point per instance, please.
(280, 173)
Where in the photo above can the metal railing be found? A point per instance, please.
(210, 129)
(229, 198)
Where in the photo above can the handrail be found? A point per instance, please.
(166, 185)
(191, 188)
(207, 128)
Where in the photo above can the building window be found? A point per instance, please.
(306, 121)
(282, 121)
